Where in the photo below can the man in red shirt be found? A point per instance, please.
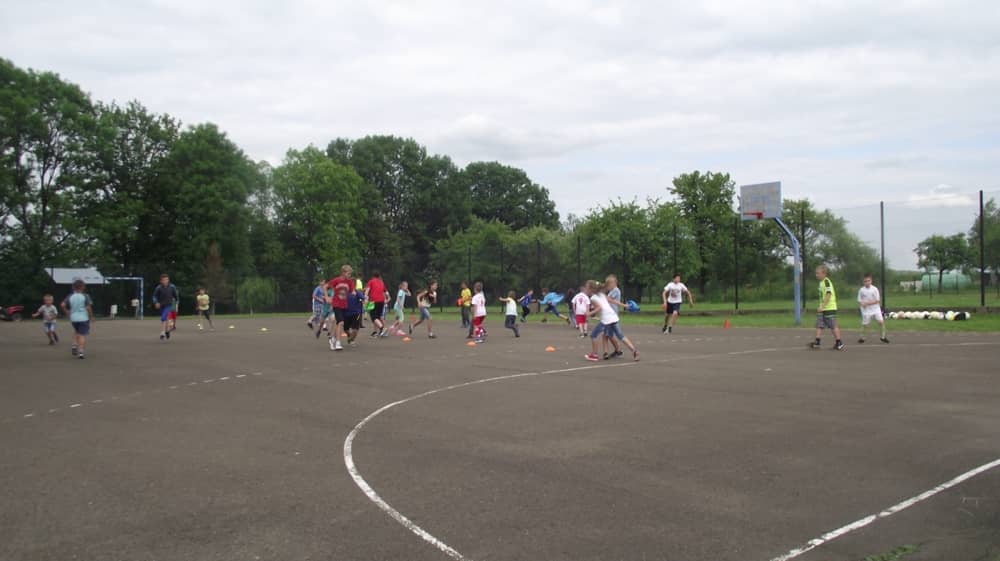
(375, 293)
(338, 303)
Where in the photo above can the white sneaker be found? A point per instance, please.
(333, 346)
(337, 346)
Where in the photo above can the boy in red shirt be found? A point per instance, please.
(338, 303)
(375, 293)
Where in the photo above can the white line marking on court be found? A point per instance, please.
(857, 524)
(52, 410)
(97, 401)
(207, 381)
(241, 375)
(26, 415)
(224, 378)
(75, 405)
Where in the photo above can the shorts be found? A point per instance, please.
(172, 316)
(49, 327)
(609, 330)
(318, 312)
(673, 308)
(826, 320)
(581, 319)
(205, 314)
(339, 314)
(478, 321)
(551, 308)
(425, 313)
(165, 312)
(867, 317)
(400, 316)
(352, 321)
(377, 311)
(81, 327)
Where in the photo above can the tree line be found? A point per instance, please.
(88, 183)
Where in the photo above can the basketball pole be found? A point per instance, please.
(796, 269)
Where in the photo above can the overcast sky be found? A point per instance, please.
(844, 102)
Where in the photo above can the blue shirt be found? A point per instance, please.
(77, 304)
(615, 294)
(355, 302)
(318, 297)
(525, 300)
(552, 298)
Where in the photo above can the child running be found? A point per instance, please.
(203, 303)
(425, 299)
(80, 310)
(870, 302)
(581, 308)
(478, 313)
(375, 293)
(608, 323)
(399, 307)
(826, 313)
(318, 303)
(341, 286)
(510, 312)
(164, 299)
(525, 302)
(673, 297)
(352, 315)
(48, 312)
(325, 311)
(551, 300)
(614, 298)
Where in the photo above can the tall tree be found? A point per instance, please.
(706, 203)
(319, 211)
(943, 254)
(507, 194)
(44, 126)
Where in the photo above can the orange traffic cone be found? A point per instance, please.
(726, 325)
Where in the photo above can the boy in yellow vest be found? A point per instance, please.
(826, 313)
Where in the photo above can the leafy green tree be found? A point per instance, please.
(45, 123)
(505, 193)
(942, 253)
(828, 241)
(256, 294)
(618, 239)
(318, 210)
(706, 203)
(991, 235)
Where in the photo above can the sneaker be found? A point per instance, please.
(374, 334)
(431, 336)
(884, 339)
(74, 351)
(591, 357)
(332, 344)
(168, 334)
(567, 321)
(616, 354)
(163, 336)
(861, 341)
(477, 340)
(582, 336)
(607, 356)
(838, 346)
(635, 356)
(318, 331)
(670, 329)
(410, 330)
(385, 332)
(663, 331)
(352, 343)
(524, 320)
(815, 345)
(81, 356)
(517, 335)
(56, 336)
(337, 346)
(310, 325)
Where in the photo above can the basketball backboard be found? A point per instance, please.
(760, 201)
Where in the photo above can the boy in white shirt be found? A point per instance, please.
(581, 309)
(510, 312)
(870, 302)
(48, 312)
(673, 296)
(608, 323)
(478, 313)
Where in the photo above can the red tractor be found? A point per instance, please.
(12, 313)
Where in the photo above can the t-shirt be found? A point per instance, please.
(615, 294)
(400, 299)
(376, 290)
(466, 296)
(675, 292)
(510, 307)
(77, 304)
(340, 285)
(48, 312)
(203, 301)
(479, 305)
(869, 294)
(608, 315)
(427, 299)
(165, 296)
(355, 302)
(552, 298)
(526, 300)
(319, 297)
(825, 286)
(581, 304)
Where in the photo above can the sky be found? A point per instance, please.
(846, 103)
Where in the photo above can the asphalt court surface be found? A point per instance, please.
(718, 445)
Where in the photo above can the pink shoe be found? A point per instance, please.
(592, 357)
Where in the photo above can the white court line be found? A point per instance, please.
(858, 524)
(423, 534)
(373, 496)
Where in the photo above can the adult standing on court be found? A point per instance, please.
(338, 303)
(673, 296)
(165, 297)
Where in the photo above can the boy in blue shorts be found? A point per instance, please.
(48, 313)
(164, 298)
(318, 299)
(80, 310)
